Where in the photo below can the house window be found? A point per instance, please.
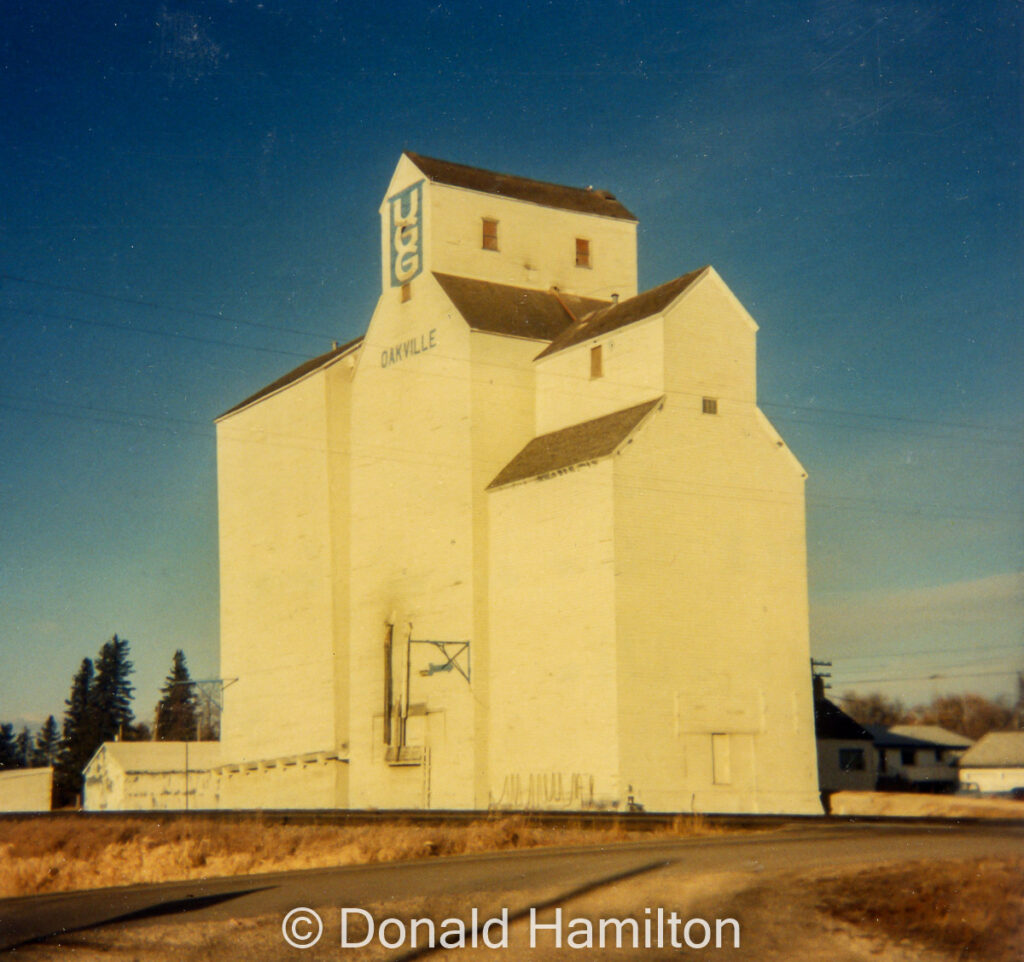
(406, 292)
(582, 252)
(490, 238)
(596, 363)
(907, 756)
(851, 759)
(709, 405)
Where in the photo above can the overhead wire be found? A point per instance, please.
(1012, 432)
(157, 305)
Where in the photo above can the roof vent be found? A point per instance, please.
(615, 298)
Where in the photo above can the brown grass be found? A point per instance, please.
(973, 909)
(54, 855)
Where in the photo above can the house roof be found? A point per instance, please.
(614, 316)
(518, 311)
(917, 736)
(585, 200)
(307, 367)
(830, 721)
(995, 750)
(579, 444)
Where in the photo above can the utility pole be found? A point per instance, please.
(818, 677)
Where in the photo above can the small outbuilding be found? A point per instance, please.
(132, 776)
(995, 763)
(26, 790)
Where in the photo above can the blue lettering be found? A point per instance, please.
(412, 347)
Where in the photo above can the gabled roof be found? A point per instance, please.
(307, 367)
(575, 445)
(917, 736)
(614, 316)
(995, 750)
(584, 200)
(832, 722)
(518, 311)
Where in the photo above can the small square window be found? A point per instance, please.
(406, 292)
(490, 236)
(851, 760)
(709, 405)
(582, 252)
(596, 365)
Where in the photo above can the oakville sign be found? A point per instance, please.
(410, 348)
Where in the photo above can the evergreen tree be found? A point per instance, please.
(112, 692)
(47, 745)
(23, 748)
(8, 747)
(79, 738)
(177, 710)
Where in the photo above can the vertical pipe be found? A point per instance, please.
(388, 683)
(408, 661)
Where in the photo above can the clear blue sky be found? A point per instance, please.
(188, 208)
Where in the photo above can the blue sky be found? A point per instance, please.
(189, 208)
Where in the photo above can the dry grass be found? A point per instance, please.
(54, 855)
(973, 909)
(913, 804)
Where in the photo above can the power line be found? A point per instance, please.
(156, 305)
(67, 318)
(1016, 433)
(929, 651)
(899, 679)
(392, 455)
(1013, 433)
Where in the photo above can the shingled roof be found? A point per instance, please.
(996, 750)
(576, 445)
(832, 722)
(584, 200)
(614, 316)
(518, 311)
(307, 367)
(916, 736)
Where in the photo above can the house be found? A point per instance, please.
(527, 543)
(917, 757)
(995, 763)
(846, 757)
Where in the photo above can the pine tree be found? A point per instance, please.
(47, 745)
(112, 692)
(177, 712)
(79, 738)
(23, 748)
(8, 747)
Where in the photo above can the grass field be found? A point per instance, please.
(971, 910)
(55, 855)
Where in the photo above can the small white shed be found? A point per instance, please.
(132, 776)
(994, 764)
(26, 790)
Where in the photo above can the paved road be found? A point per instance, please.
(517, 875)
